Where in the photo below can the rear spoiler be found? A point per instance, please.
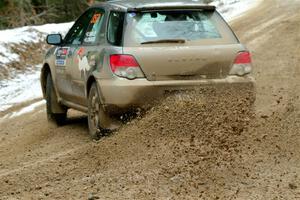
(173, 7)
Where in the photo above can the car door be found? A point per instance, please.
(86, 56)
(65, 53)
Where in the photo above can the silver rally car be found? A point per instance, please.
(123, 54)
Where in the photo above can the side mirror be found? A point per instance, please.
(54, 39)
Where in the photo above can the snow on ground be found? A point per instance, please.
(23, 87)
(26, 87)
(25, 35)
(24, 110)
(231, 9)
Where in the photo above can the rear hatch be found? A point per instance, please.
(180, 44)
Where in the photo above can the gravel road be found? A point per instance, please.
(204, 145)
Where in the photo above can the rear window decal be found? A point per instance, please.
(90, 37)
(95, 18)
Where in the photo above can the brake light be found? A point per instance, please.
(242, 64)
(125, 66)
(117, 61)
(243, 58)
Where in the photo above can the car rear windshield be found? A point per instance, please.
(189, 25)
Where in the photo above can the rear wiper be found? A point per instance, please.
(165, 41)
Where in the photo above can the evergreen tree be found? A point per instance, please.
(16, 13)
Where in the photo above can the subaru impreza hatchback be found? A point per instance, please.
(123, 54)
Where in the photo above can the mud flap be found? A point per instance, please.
(107, 122)
(56, 107)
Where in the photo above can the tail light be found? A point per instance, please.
(125, 66)
(242, 64)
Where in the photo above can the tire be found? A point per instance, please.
(56, 113)
(95, 111)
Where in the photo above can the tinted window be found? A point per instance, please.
(160, 25)
(75, 35)
(92, 34)
(115, 28)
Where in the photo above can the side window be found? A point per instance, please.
(115, 28)
(76, 33)
(92, 34)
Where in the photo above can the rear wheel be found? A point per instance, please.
(95, 111)
(56, 113)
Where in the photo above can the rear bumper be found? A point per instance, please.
(123, 93)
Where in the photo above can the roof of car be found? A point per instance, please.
(136, 5)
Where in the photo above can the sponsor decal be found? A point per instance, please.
(83, 64)
(82, 61)
(60, 62)
(92, 61)
(61, 54)
(81, 51)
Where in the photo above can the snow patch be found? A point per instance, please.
(27, 109)
(231, 9)
(54, 28)
(22, 88)
(26, 35)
